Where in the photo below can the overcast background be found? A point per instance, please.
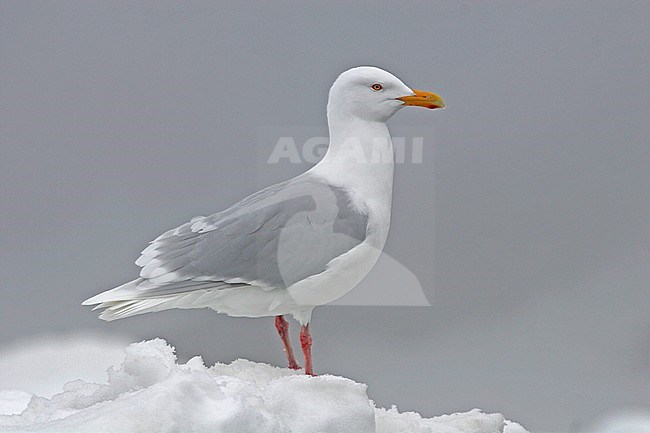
(527, 222)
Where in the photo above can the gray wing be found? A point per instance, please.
(272, 239)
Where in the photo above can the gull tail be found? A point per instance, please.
(123, 301)
(140, 296)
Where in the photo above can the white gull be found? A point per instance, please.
(292, 246)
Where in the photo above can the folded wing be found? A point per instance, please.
(271, 239)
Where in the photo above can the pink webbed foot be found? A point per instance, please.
(305, 342)
(283, 329)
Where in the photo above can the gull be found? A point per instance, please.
(292, 246)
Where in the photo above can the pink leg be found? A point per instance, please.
(305, 342)
(283, 329)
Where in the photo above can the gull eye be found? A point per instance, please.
(376, 87)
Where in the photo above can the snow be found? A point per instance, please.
(13, 401)
(29, 365)
(624, 421)
(151, 392)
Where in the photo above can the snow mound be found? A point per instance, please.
(28, 365)
(151, 392)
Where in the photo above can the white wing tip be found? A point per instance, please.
(116, 294)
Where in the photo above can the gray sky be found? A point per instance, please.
(527, 223)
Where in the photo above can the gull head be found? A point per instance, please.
(372, 94)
